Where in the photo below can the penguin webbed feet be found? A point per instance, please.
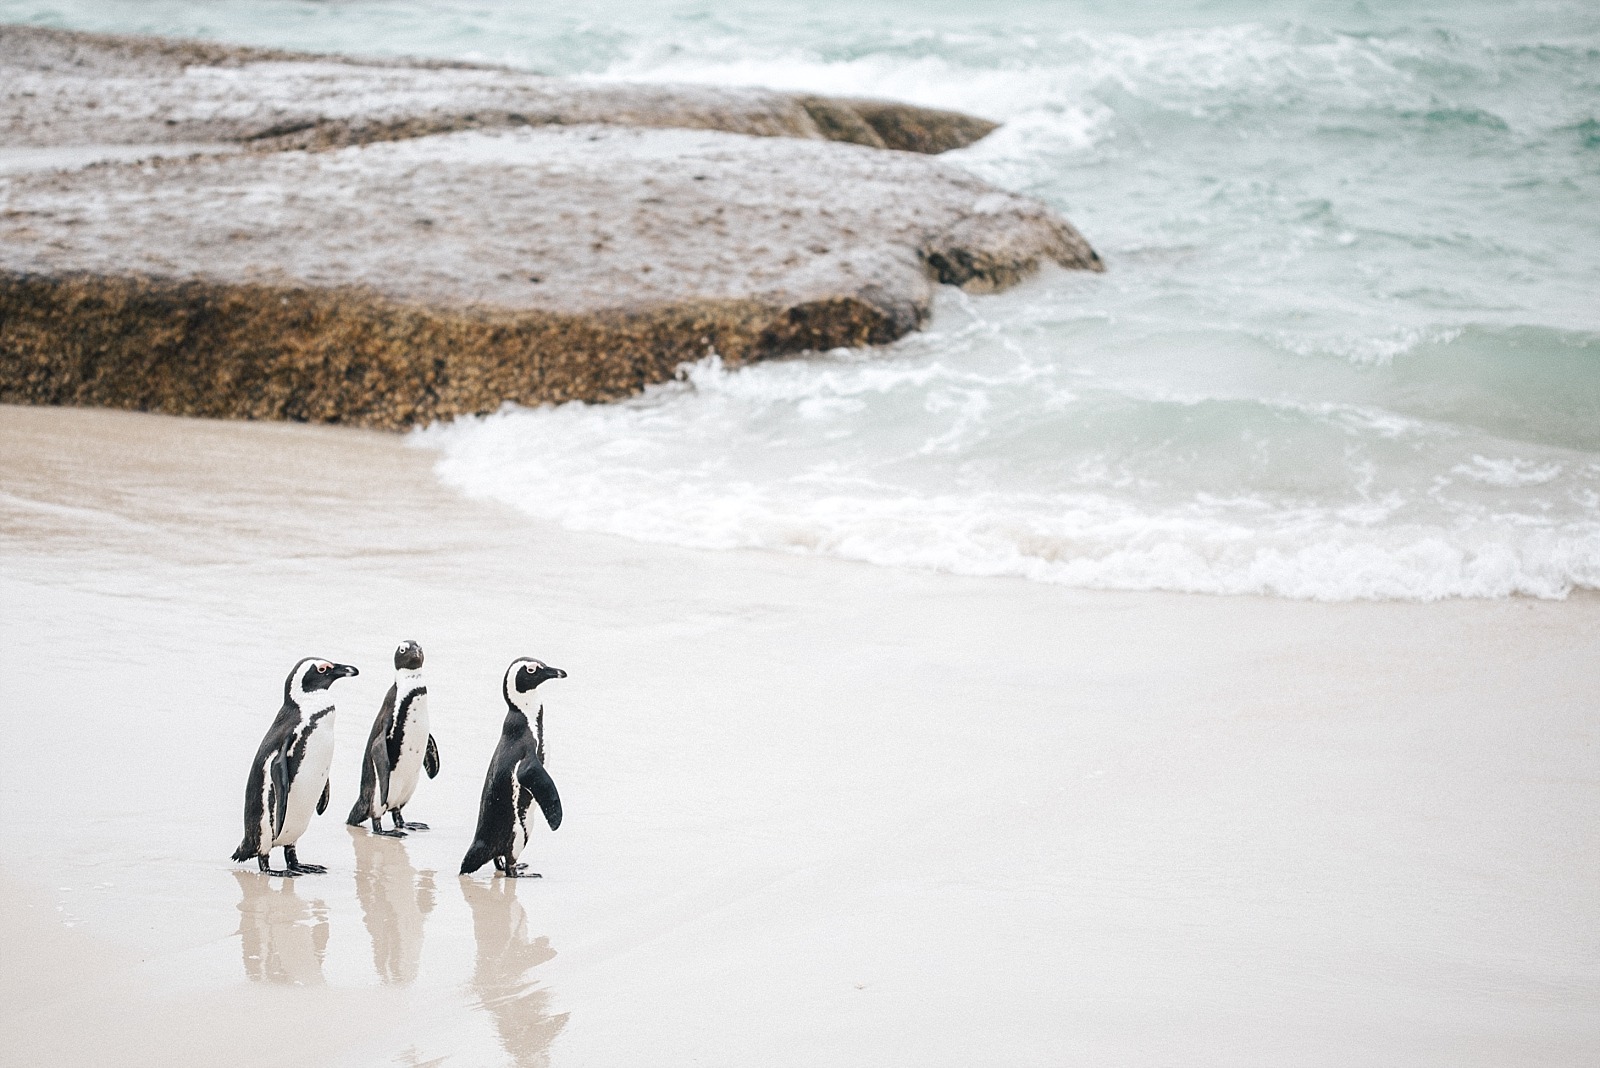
(377, 828)
(298, 867)
(267, 869)
(403, 824)
(514, 871)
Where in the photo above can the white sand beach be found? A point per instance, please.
(816, 812)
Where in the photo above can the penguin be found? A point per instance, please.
(516, 777)
(290, 775)
(399, 749)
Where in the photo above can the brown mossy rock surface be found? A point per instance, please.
(353, 357)
(61, 87)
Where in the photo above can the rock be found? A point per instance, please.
(66, 88)
(580, 243)
(1002, 240)
(408, 281)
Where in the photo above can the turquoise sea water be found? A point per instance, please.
(1348, 344)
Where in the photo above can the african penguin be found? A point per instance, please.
(398, 749)
(516, 777)
(289, 778)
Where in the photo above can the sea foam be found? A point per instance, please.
(914, 463)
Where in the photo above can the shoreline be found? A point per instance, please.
(814, 807)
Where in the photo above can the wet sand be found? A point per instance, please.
(817, 813)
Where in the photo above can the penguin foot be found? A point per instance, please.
(292, 859)
(287, 873)
(411, 825)
(520, 872)
(391, 834)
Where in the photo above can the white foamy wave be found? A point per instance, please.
(1508, 471)
(1224, 62)
(1062, 99)
(1377, 348)
(931, 80)
(874, 462)
(1041, 109)
(1175, 68)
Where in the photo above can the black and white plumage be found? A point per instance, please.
(289, 778)
(399, 749)
(516, 777)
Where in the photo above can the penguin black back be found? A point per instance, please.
(516, 777)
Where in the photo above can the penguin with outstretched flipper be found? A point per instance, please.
(516, 777)
(399, 749)
(289, 778)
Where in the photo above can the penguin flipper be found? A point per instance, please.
(535, 780)
(322, 802)
(430, 759)
(279, 770)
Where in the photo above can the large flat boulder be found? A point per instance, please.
(398, 281)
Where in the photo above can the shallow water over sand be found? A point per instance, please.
(815, 812)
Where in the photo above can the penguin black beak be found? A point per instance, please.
(554, 672)
(343, 671)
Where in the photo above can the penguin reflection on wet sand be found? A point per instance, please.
(516, 777)
(503, 975)
(289, 778)
(283, 937)
(399, 749)
(396, 900)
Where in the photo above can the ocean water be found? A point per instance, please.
(1347, 345)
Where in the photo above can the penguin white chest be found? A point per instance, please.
(411, 721)
(305, 790)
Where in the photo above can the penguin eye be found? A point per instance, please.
(324, 668)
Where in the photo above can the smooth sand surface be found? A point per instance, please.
(817, 813)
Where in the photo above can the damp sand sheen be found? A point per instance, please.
(817, 811)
